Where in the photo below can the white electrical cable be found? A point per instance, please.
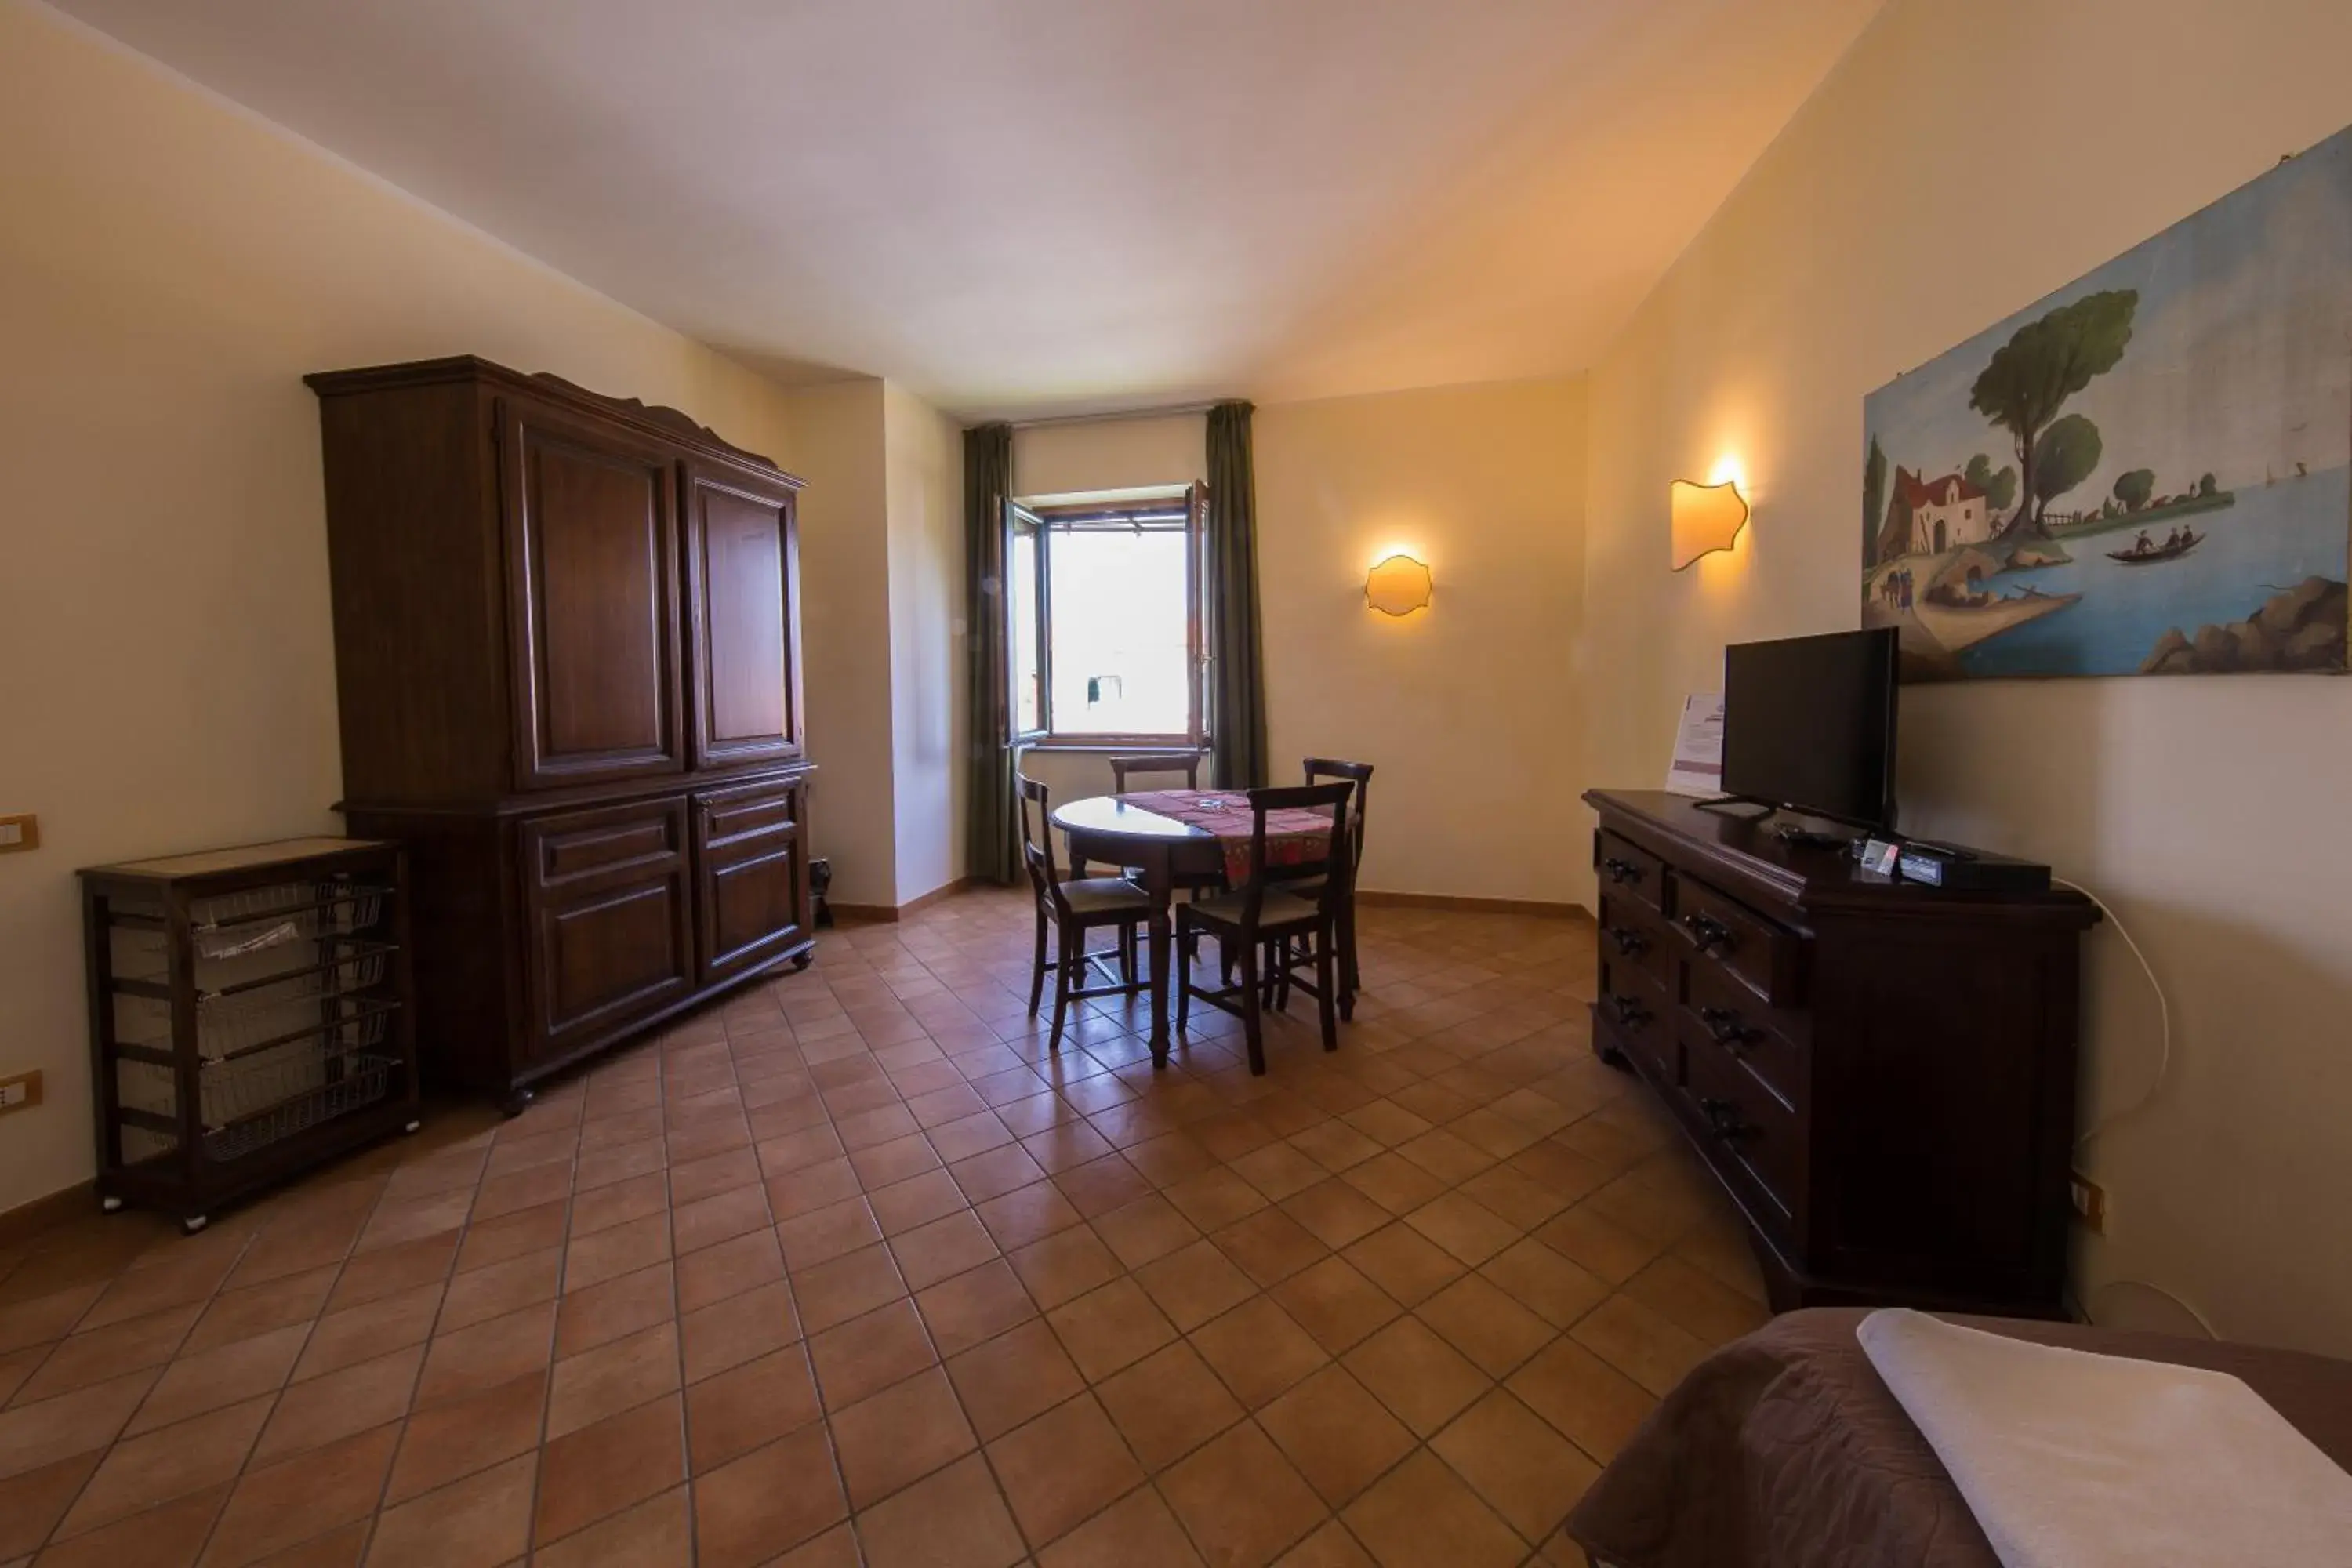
(2163, 1010)
(2163, 1068)
(2112, 1286)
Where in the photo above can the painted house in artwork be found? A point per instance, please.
(1946, 513)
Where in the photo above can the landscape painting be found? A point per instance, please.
(2148, 473)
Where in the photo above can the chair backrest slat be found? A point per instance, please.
(1188, 764)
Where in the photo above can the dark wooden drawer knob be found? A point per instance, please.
(1711, 934)
(1629, 940)
(1723, 1120)
(1630, 1014)
(1624, 873)
(1730, 1031)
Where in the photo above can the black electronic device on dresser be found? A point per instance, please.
(1880, 1074)
(567, 654)
(1808, 729)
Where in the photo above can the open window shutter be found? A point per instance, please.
(1029, 683)
(1197, 598)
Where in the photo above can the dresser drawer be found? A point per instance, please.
(1641, 1020)
(1767, 1043)
(1634, 936)
(1629, 870)
(1748, 1130)
(1768, 959)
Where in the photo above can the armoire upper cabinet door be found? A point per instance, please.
(592, 547)
(743, 566)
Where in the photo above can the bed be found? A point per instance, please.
(1785, 1449)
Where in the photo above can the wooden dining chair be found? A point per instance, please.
(1360, 774)
(1267, 921)
(1188, 764)
(1351, 976)
(1074, 906)
(1170, 764)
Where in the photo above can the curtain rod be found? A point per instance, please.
(1177, 411)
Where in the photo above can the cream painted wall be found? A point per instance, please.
(1466, 711)
(2209, 812)
(169, 268)
(1467, 708)
(1109, 454)
(837, 446)
(923, 458)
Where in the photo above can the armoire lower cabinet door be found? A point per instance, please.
(751, 877)
(612, 931)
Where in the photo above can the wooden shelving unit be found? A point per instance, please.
(250, 1017)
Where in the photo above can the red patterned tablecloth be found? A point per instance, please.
(1291, 835)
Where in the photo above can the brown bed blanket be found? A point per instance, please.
(1785, 1449)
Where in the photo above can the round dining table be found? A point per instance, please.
(1147, 833)
(1115, 832)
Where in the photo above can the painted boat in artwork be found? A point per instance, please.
(2172, 550)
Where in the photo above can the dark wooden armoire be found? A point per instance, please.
(567, 648)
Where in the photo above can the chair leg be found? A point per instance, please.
(1324, 990)
(1351, 978)
(1037, 973)
(1253, 1025)
(1185, 940)
(1064, 977)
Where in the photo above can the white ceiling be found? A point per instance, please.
(1029, 207)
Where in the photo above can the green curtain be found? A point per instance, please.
(1237, 694)
(990, 850)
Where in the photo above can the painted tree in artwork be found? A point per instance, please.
(2044, 363)
(1874, 497)
(2063, 457)
(1998, 489)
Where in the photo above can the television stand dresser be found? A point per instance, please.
(1881, 1075)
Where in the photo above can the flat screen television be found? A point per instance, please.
(1809, 725)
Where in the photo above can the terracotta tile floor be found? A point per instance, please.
(851, 1269)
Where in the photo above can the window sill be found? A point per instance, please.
(1113, 748)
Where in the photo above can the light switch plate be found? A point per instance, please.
(21, 1092)
(19, 833)
(2090, 1201)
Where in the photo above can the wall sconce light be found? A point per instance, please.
(1398, 587)
(1706, 518)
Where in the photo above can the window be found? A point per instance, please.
(1107, 640)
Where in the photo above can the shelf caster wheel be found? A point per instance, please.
(413, 1126)
(109, 1206)
(517, 1101)
(191, 1225)
(801, 961)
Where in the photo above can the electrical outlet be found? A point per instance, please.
(19, 833)
(2089, 1203)
(21, 1092)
